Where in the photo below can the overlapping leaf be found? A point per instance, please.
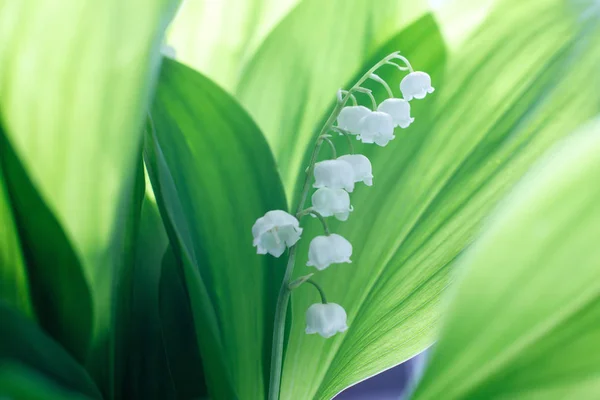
(217, 37)
(524, 321)
(505, 98)
(74, 84)
(213, 175)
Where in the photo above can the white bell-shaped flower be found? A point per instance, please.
(416, 85)
(363, 172)
(274, 232)
(326, 250)
(326, 319)
(399, 110)
(328, 202)
(334, 174)
(377, 127)
(349, 118)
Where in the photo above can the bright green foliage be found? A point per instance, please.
(213, 175)
(74, 83)
(495, 110)
(523, 323)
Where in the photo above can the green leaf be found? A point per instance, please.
(218, 37)
(20, 382)
(213, 175)
(14, 285)
(523, 323)
(75, 81)
(59, 291)
(23, 343)
(288, 85)
(499, 104)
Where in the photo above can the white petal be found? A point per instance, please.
(334, 174)
(328, 202)
(326, 319)
(399, 110)
(326, 250)
(275, 231)
(363, 171)
(416, 85)
(349, 118)
(376, 124)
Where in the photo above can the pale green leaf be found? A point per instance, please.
(218, 37)
(500, 103)
(291, 80)
(523, 323)
(213, 175)
(75, 81)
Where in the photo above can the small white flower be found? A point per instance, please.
(326, 250)
(326, 319)
(377, 127)
(399, 109)
(168, 51)
(334, 174)
(274, 232)
(328, 202)
(417, 85)
(363, 171)
(349, 118)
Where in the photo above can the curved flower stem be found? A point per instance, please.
(404, 60)
(284, 292)
(321, 292)
(378, 79)
(369, 93)
(398, 66)
(317, 214)
(348, 136)
(333, 152)
(342, 92)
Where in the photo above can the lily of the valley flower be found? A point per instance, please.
(334, 174)
(328, 202)
(326, 250)
(274, 232)
(399, 110)
(363, 171)
(326, 319)
(416, 85)
(377, 127)
(349, 118)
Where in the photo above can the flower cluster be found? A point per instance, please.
(334, 180)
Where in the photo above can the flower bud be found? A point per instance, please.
(326, 319)
(334, 174)
(399, 110)
(349, 118)
(326, 250)
(377, 127)
(361, 166)
(416, 85)
(274, 232)
(328, 202)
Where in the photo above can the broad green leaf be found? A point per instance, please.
(217, 37)
(75, 81)
(20, 382)
(523, 323)
(213, 175)
(291, 80)
(22, 342)
(14, 284)
(59, 291)
(500, 103)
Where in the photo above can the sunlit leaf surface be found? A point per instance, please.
(523, 323)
